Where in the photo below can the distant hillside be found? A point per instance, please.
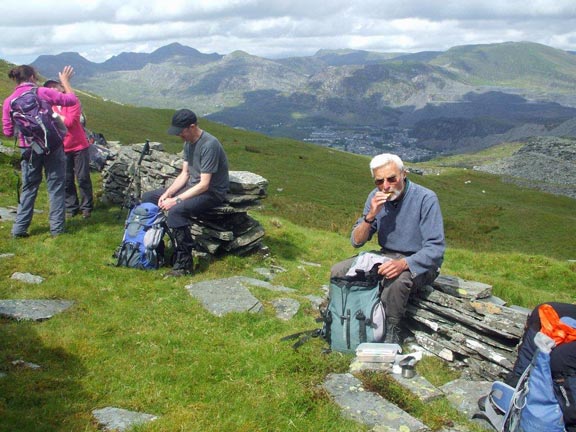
(546, 164)
(524, 65)
(441, 102)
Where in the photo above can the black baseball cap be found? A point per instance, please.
(181, 120)
(51, 83)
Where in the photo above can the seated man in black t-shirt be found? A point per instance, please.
(201, 185)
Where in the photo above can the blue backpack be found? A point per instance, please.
(142, 246)
(34, 119)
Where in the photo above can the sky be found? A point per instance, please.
(101, 29)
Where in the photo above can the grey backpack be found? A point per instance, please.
(355, 314)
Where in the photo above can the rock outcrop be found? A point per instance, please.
(545, 163)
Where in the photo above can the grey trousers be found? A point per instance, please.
(54, 166)
(78, 169)
(395, 292)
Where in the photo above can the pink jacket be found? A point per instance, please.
(75, 138)
(48, 94)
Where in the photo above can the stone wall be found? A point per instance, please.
(464, 324)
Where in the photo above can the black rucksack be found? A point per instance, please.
(33, 118)
(143, 246)
(543, 398)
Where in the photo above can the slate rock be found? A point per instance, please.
(222, 296)
(33, 310)
(286, 308)
(464, 394)
(26, 365)
(7, 214)
(367, 407)
(27, 278)
(419, 386)
(316, 301)
(117, 419)
(462, 288)
(267, 273)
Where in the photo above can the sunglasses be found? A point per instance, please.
(379, 182)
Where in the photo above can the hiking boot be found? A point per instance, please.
(72, 213)
(392, 332)
(183, 246)
(86, 214)
(20, 235)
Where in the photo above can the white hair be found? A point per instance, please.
(385, 159)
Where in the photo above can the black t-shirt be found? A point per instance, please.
(207, 156)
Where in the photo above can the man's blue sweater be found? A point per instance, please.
(412, 226)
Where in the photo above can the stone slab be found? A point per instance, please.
(265, 272)
(458, 287)
(315, 301)
(419, 386)
(286, 308)
(32, 310)
(464, 394)
(359, 365)
(7, 214)
(27, 278)
(118, 419)
(367, 407)
(26, 365)
(241, 181)
(258, 283)
(223, 296)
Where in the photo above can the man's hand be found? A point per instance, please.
(377, 202)
(392, 268)
(166, 203)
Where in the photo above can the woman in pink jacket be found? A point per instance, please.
(32, 164)
(76, 148)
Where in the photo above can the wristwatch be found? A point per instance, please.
(178, 200)
(368, 221)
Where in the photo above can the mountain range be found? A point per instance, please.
(419, 105)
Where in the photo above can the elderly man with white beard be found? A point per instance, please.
(408, 222)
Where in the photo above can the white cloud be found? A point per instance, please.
(99, 29)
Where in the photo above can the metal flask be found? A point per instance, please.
(407, 366)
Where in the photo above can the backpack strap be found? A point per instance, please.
(347, 318)
(362, 326)
(302, 337)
